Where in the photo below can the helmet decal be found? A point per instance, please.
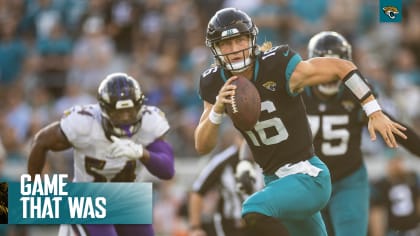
(127, 103)
(230, 32)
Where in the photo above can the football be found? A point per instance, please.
(246, 104)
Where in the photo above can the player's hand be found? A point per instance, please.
(378, 121)
(125, 148)
(245, 177)
(223, 97)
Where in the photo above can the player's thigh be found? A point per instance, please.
(292, 197)
(313, 226)
(327, 221)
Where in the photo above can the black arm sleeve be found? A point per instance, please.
(412, 143)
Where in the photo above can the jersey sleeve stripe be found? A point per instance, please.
(222, 75)
(256, 69)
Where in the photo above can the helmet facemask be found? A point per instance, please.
(123, 121)
(329, 89)
(247, 57)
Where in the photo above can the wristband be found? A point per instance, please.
(215, 117)
(355, 82)
(371, 106)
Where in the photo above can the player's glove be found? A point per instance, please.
(245, 177)
(125, 148)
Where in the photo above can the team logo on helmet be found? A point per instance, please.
(390, 11)
(230, 32)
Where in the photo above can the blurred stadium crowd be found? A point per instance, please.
(53, 53)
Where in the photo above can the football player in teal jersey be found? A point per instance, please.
(297, 182)
(337, 121)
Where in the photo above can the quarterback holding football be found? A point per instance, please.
(297, 182)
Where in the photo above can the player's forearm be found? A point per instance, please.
(48, 138)
(323, 70)
(206, 134)
(207, 131)
(411, 143)
(205, 137)
(161, 160)
(354, 81)
(36, 160)
(195, 209)
(361, 90)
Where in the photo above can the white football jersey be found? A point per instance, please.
(92, 161)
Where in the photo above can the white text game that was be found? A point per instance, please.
(44, 196)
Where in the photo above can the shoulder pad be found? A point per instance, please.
(281, 51)
(210, 71)
(210, 83)
(154, 120)
(77, 121)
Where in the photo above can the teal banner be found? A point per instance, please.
(52, 202)
(390, 10)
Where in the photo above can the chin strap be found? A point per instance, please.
(239, 66)
(127, 129)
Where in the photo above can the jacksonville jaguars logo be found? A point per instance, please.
(348, 105)
(270, 85)
(391, 11)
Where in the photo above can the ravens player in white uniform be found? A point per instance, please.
(337, 121)
(297, 183)
(112, 141)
